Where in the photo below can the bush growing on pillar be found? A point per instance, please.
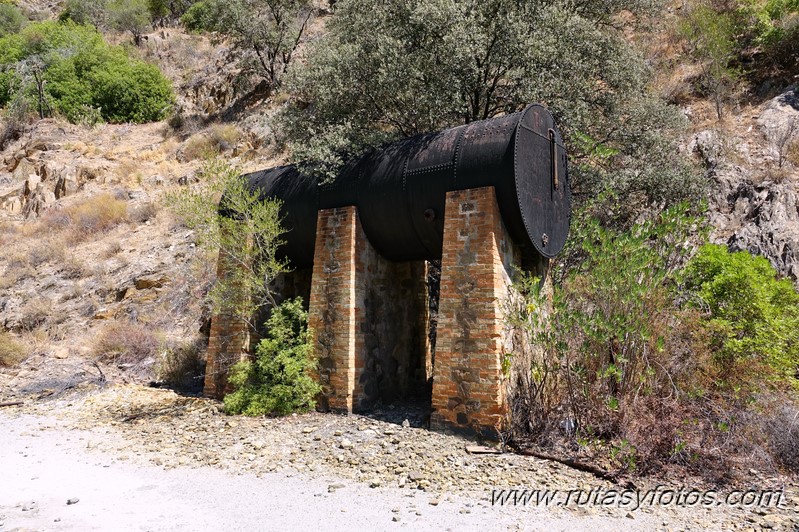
(277, 381)
(228, 217)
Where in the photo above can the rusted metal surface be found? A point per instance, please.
(400, 190)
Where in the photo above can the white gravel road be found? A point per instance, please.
(43, 465)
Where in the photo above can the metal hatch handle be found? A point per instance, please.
(553, 156)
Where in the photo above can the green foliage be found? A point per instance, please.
(277, 381)
(129, 15)
(120, 15)
(228, 217)
(271, 30)
(67, 68)
(168, 11)
(388, 69)
(11, 19)
(750, 312)
(711, 38)
(605, 330)
(769, 20)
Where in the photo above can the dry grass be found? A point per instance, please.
(182, 366)
(95, 215)
(51, 250)
(73, 267)
(129, 170)
(35, 313)
(8, 233)
(216, 139)
(781, 426)
(144, 213)
(11, 351)
(125, 342)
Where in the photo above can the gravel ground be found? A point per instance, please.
(148, 459)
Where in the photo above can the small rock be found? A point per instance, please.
(434, 502)
(396, 519)
(415, 476)
(145, 283)
(375, 483)
(629, 515)
(72, 501)
(406, 424)
(307, 430)
(345, 444)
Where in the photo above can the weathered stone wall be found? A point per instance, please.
(476, 268)
(367, 315)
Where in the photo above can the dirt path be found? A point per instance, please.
(44, 466)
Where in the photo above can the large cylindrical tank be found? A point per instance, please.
(400, 190)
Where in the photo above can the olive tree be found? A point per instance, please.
(269, 29)
(392, 68)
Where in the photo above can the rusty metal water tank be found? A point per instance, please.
(400, 190)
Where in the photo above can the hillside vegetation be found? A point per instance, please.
(668, 333)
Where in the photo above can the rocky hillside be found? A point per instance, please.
(89, 249)
(754, 170)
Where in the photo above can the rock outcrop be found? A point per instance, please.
(754, 202)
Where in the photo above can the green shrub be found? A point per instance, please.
(277, 381)
(751, 314)
(11, 19)
(71, 70)
(606, 341)
(769, 21)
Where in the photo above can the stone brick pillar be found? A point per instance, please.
(332, 312)
(368, 337)
(476, 268)
(229, 342)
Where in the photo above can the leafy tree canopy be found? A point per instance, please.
(391, 68)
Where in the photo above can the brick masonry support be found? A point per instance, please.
(229, 342)
(368, 316)
(477, 265)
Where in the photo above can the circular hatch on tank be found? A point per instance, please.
(542, 183)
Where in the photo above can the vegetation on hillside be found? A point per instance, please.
(384, 70)
(652, 360)
(68, 69)
(267, 32)
(244, 228)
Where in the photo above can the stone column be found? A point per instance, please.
(229, 342)
(332, 312)
(476, 276)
